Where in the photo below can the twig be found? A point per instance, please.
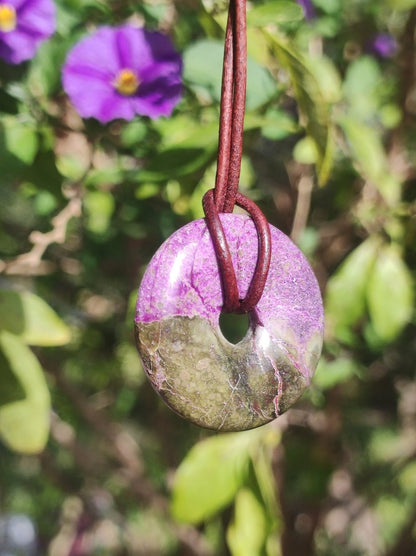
(31, 263)
(303, 206)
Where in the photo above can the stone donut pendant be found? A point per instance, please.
(198, 373)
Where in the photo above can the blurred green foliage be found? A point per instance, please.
(83, 435)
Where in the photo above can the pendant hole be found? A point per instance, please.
(234, 327)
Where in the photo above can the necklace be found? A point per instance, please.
(229, 263)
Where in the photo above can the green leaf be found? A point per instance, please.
(278, 125)
(246, 534)
(277, 11)
(311, 100)
(362, 88)
(26, 315)
(407, 479)
(21, 138)
(24, 424)
(146, 190)
(305, 151)
(43, 77)
(210, 475)
(178, 129)
(18, 146)
(44, 174)
(44, 203)
(369, 154)
(387, 445)
(186, 147)
(390, 115)
(176, 162)
(263, 472)
(390, 294)
(400, 4)
(329, 6)
(258, 48)
(11, 390)
(99, 207)
(203, 69)
(330, 373)
(71, 166)
(188, 155)
(327, 76)
(103, 177)
(346, 291)
(67, 19)
(392, 515)
(133, 133)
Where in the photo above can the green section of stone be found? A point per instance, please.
(213, 383)
(313, 352)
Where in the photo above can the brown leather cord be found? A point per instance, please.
(229, 281)
(225, 195)
(226, 117)
(255, 290)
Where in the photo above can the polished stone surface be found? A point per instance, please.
(198, 373)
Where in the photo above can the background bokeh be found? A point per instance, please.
(91, 461)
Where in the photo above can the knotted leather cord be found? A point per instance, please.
(225, 195)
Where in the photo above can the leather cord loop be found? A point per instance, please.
(255, 290)
(232, 301)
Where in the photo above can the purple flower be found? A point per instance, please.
(308, 8)
(384, 45)
(24, 24)
(123, 71)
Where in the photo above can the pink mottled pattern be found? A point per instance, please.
(182, 279)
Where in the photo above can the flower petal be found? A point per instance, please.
(18, 4)
(132, 47)
(86, 93)
(96, 52)
(17, 46)
(37, 17)
(115, 107)
(158, 98)
(95, 97)
(162, 48)
(6, 53)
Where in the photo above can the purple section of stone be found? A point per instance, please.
(35, 22)
(182, 279)
(167, 289)
(93, 64)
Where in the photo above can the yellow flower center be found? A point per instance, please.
(7, 18)
(127, 82)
